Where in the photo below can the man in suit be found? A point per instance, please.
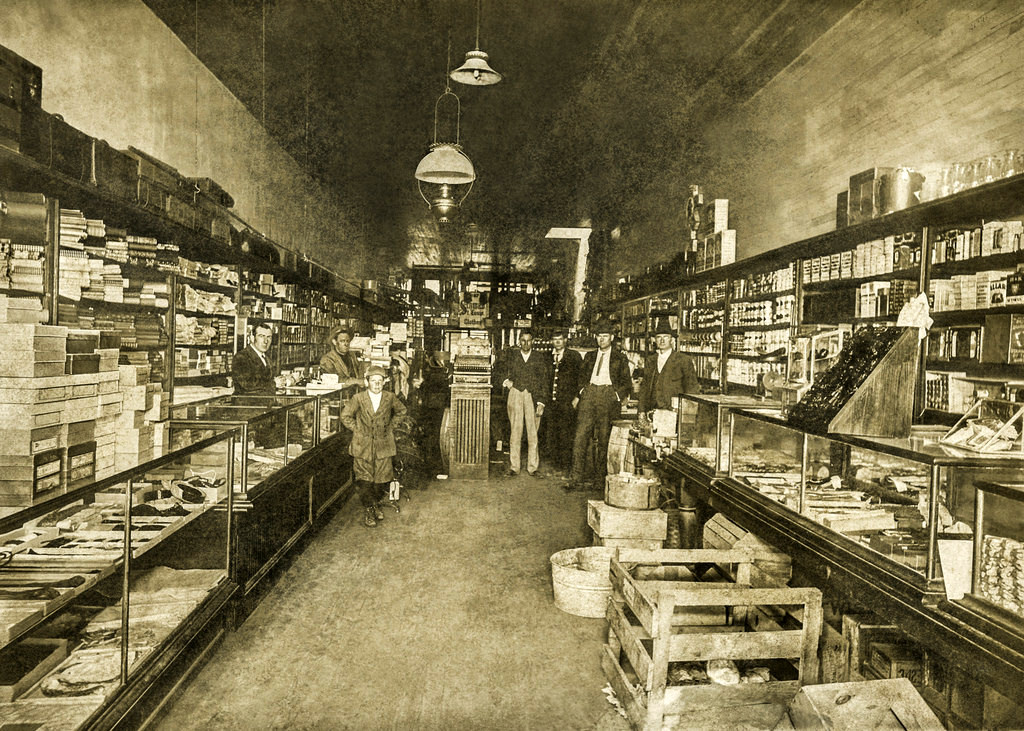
(604, 385)
(559, 426)
(250, 371)
(525, 375)
(667, 373)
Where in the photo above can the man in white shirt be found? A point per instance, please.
(250, 369)
(604, 386)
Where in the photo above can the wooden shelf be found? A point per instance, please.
(198, 313)
(764, 296)
(206, 285)
(758, 328)
(833, 284)
(994, 370)
(977, 264)
(205, 346)
(955, 317)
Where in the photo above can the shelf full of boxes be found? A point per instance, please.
(963, 251)
(120, 276)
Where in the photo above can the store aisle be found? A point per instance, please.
(442, 618)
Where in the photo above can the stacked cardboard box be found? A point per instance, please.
(58, 422)
(143, 404)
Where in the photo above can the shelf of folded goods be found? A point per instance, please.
(206, 284)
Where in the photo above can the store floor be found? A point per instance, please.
(441, 618)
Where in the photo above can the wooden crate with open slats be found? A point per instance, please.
(672, 611)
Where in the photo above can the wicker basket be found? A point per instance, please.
(580, 579)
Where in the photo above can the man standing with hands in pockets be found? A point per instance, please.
(526, 378)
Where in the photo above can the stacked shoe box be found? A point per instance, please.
(629, 516)
(140, 436)
(54, 398)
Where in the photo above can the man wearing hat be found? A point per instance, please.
(339, 359)
(369, 415)
(604, 386)
(559, 425)
(667, 373)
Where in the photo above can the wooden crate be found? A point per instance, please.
(876, 704)
(666, 618)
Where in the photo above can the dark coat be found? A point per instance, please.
(249, 374)
(678, 376)
(565, 376)
(532, 375)
(618, 371)
(372, 434)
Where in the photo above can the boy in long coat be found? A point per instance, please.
(368, 415)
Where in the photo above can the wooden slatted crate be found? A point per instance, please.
(677, 606)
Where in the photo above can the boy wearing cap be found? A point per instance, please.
(604, 387)
(369, 415)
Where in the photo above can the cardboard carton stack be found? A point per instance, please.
(144, 403)
(55, 393)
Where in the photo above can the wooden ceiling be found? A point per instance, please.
(600, 99)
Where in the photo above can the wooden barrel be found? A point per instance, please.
(633, 492)
(446, 439)
(620, 452)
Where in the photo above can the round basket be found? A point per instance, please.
(580, 580)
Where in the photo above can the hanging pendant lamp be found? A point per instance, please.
(445, 175)
(476, 71)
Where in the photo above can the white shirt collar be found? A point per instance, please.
(375, 399)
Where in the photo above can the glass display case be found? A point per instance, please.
(703, 431)
(997, 566)
(97, 583)
(274, 430)
(900, 498)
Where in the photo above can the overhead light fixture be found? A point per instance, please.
(445, 175)
(475, 71)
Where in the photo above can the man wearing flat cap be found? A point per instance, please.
(667, 373)
(604, 386)
(342, 361)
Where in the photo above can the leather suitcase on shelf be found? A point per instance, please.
(157, 181)
(213, 191)
(10, 125)
(60, 146)
(114, 171)
(180, 210)
(212, 218)
(21, 82)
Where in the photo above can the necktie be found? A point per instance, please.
(597, 369)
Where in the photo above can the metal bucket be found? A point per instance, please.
(579, 577)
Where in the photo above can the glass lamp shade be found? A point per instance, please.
(445, 164)
(475, 71)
